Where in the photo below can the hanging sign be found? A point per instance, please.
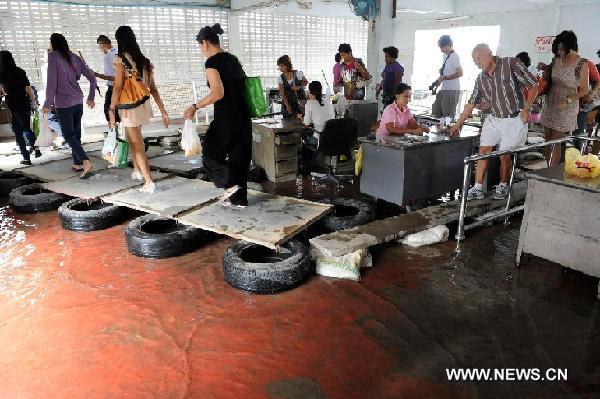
(543, 44)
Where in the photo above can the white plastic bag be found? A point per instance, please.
(427, 237)
(110, 147)
(190, 141)
(46, 138)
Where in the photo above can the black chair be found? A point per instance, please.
(339, 137)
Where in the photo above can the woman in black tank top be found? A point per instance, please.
(227, 147)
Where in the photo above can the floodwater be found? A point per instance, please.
(81, 318)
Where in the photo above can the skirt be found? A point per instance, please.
(137, 116)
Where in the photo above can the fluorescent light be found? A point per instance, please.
(456, 18)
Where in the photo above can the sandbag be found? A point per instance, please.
(427, 237)
(347, 266)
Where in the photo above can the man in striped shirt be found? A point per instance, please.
(500, 85)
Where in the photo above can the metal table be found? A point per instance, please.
(402, 169)
(561, 222)
(275, 145)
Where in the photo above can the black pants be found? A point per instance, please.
(107, 100)
(21, 127)
(227, 149)
(70, 123)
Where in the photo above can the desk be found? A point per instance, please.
(561, 222)
(275, 146)
(407, 168)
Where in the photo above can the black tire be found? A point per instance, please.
(260, 270)
(156, 237)
(34, 198)
(11, 180)
(85, 215)
(348, 213)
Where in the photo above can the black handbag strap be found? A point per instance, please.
(444, 64)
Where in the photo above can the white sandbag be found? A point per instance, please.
(190, 142)
(46, 138)
(427, 237)
(347, 266)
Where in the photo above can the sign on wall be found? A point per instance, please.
(543, 44)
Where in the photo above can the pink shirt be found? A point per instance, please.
(391, 113)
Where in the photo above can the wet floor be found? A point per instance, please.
(81, 318)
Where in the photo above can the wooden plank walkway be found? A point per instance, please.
(269, 220)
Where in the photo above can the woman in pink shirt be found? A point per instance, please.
(397, 118)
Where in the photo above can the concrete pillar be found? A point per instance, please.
(235, 39)
(381, 34)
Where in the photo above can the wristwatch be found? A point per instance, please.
(195, 106)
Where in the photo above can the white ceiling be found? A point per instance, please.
(149, 3)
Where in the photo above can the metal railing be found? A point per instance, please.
(468, 161)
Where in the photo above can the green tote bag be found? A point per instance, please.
(255, 97)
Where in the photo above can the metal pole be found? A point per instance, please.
(510, 184)
(460, 234)
(552, 148)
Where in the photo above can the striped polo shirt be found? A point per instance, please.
(503, 90)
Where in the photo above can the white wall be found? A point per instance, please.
(518, 29)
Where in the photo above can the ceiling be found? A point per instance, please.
(149, 3)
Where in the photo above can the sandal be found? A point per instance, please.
(86, 174)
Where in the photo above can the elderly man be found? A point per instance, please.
(500, 84)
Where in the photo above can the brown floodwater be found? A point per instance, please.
(82, 318)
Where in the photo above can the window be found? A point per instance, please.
(311, 42)
(165, 35)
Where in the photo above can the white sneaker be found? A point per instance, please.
(147, 188)
(500, 192)
(475, 193)
(136, 175)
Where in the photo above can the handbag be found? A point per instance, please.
(5, 114)
(134, 92)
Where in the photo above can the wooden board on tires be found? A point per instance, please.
(177, 163)
(173, 196)
(99, 184)
(268, 220)
(59, 170)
